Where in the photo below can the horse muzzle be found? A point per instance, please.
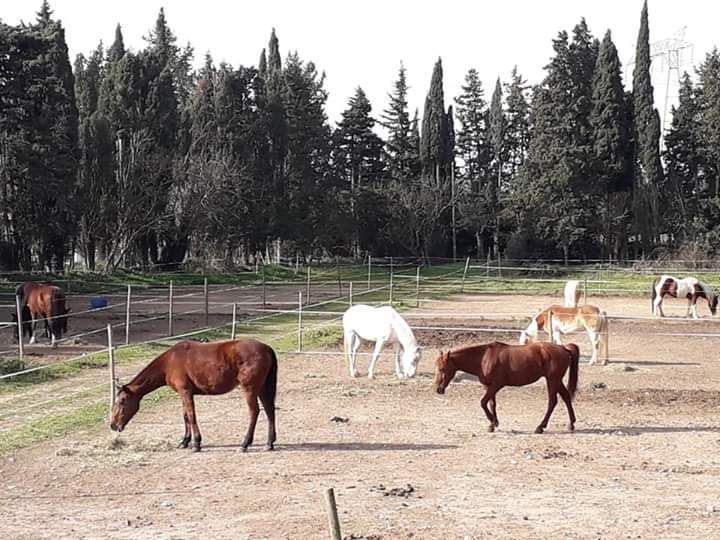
(440, 390)
(116, 427)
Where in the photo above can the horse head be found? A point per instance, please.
(126, 405)
(713, 304)
(444, 372)
(531, 330)
(410, 359)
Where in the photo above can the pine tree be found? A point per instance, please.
(397, 121)
(433, 146)
(646, 135)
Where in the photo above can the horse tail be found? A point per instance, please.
(653, 295)
(270, 387)
(574, 351)
(604, 336)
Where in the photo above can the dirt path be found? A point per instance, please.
(643, 462)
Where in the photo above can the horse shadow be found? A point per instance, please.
(658, 363)
(341, 447)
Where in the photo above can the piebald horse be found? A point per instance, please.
(381, 325)
(570, 319)
(688, 287)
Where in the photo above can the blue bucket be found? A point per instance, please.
(98, 302)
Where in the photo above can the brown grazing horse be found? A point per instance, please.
(191, 368)
(26, 325)
(45, 302)
(499, 364)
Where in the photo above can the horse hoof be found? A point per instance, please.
(269, 448)
(196, 449)
(243, 449)
(571, 427)
(183, 444)
(539, 430)
(491, 428)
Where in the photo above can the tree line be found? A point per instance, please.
(136, 158)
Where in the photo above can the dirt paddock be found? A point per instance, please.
(644, 461)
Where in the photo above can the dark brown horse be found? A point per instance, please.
(45, 302)
(497, 365)
(191, 368)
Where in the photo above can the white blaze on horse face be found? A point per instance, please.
(530, 332)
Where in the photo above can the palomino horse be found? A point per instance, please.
(497, 365)
(569, 319)
(572, 293)
(689, 287)
(381, 325)
(45, 302)
(192, 368)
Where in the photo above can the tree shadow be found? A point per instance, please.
(340, 447)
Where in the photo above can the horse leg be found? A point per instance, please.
(269, 407)
(489, 394)
(355, 343)
(492, 403)
(595, 342)
(376, 354)
(568, 403)
(252, 402)
(33, 326)
(185, 442)
(189, 404)
(398, 370)
(552, 387)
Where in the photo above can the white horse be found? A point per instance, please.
(381, 325)
(570, 319)
(572, 293)
(688, 287)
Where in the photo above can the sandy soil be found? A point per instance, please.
(643, 463)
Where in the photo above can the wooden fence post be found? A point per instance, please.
(127, 316)
(417, 288)
(234, 322)
(111, 365)
(333, 520)
(205, 293)
(550, 326)
(467, 265)
(499, 266)
(18, 310)
(170, 309)
(585, 292)
(487, 271)
(350, 294)
(300, 344)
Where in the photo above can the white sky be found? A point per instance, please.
(363, 42)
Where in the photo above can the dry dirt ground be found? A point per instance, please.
(643, 463)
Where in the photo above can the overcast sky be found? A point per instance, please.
(363, 42)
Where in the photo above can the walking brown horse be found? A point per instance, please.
(191, 368)
(498, 365)
(45, 302)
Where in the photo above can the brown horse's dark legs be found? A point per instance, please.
(489, 395)
(552, 401)
(269, 407)
(568, 403)
(189, 404)
(492, 404)
(252, 402)
(185, 442)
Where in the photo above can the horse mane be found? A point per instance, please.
(144, 372)
(399, 321)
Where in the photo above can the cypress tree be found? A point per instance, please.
(683, 164)
(610, 140)
(496, 127)
(433, 146)
(646, 134)
(517, 128)
(472, 134)
(274, 63)
(117, 49)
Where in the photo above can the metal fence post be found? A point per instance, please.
(111, 366)
(127, 316)
(234, 322)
